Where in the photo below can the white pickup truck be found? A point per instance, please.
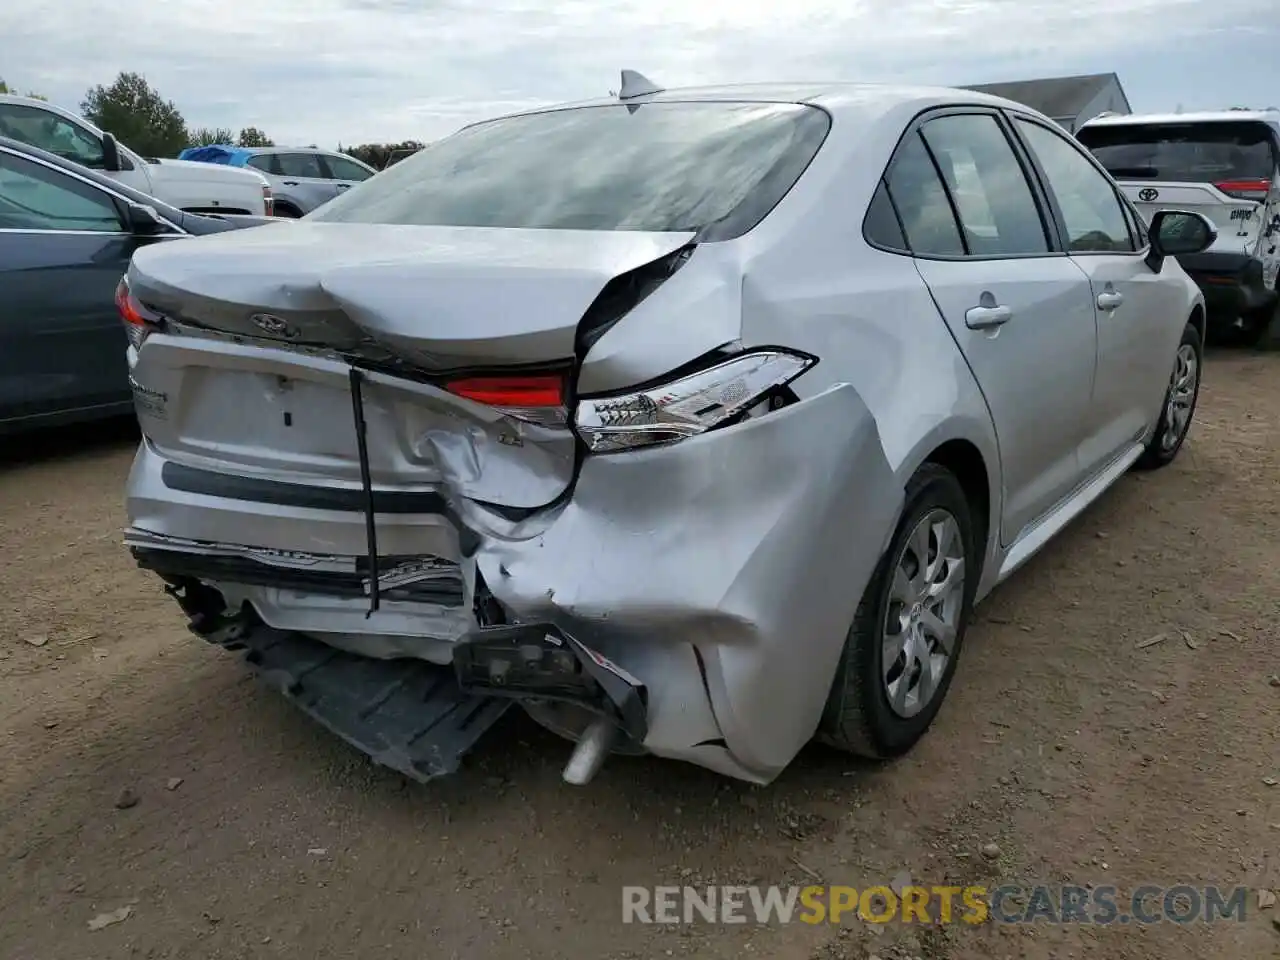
(190, 186)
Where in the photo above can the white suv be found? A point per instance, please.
(1225, 165)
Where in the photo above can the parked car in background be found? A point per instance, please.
(395, 156)
(301, 178)
(1225, 165)
(192, 187)
(694, 422)
(66, 236)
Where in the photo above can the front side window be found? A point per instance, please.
(300, 165)
(1092, 215)
(992, 197)
(48, 131)
(344, 169)
(716, 167)
(35, 197)
(266, 162)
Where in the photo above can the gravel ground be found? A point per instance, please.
(141, 769)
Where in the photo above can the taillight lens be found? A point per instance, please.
(691, 405)
(535, 398)
(138, 320)
(268, 201)
(1245, 189)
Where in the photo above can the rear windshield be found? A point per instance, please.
(710, 166)
(1187, 152)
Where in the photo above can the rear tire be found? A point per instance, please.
(286, 211)
(1262, 329)
(1179, 407)
(870, 710)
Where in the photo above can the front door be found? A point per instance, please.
(1138, 331)
(63, 249)
(1020, 311)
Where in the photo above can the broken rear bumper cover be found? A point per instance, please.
(719, 576)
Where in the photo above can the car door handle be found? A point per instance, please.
(343, 186)
(290, 183)
(987, 318)
(1110, 300)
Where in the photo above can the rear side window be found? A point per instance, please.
(921, 200)
(1187, 152)
(991, 194)
(715, 167)
(881, 226)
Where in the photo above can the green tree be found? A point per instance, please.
(137, 116)
(207, 136)
(253, 137)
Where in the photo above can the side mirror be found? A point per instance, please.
(110, 153)
(1175, 233)
(144, 220)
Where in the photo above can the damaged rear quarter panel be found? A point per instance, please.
(695, 311)
(751, 544)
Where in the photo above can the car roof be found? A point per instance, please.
(1204, 116)
(851, 100)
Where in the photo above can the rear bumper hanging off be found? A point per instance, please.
(420, 718)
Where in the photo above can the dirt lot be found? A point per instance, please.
(1085, 756)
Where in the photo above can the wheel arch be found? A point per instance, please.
(1198, 319)
(973, 458)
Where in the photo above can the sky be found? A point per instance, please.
(357, 71)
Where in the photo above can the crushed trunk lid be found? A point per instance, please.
(439, 297)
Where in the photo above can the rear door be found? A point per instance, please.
(1019, 309)
(1225, 169)
(306, 179)
(63, 249)
(1138, 318)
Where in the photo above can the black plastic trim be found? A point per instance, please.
(177, 476)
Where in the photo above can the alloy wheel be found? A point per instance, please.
(926, 597)
(1182, 394)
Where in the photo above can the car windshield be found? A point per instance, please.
(1186, 152)
(667, 166)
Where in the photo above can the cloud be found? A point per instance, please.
(320, 71)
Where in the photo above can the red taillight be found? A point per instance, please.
(268, 201)
(538, 399)
(1245, 189)
(138, 321)
(535, 391)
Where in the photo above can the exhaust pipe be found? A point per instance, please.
(591, 751)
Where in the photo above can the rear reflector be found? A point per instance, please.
(533, 391)
(1245, 189)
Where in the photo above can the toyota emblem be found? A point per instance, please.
(271, 324)
(1147, 194)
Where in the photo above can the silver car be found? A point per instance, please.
(694, 422)
(304, 178)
